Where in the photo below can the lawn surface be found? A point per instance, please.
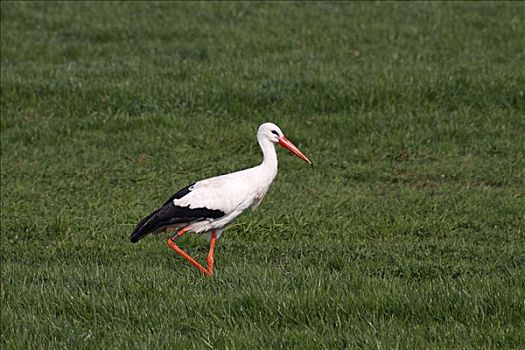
(409, 231)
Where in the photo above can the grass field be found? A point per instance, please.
(409, 231)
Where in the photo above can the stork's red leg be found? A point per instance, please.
(211, 260)
(180, 233)
(207, 271)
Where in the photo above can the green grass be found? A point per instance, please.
(409, 231)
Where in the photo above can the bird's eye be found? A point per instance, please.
(275, 133)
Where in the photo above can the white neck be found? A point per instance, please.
(269, 155)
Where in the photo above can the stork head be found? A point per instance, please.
(273, 133)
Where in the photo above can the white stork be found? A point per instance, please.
(211, 204)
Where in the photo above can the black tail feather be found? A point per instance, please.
(143, 227)
(170, 215)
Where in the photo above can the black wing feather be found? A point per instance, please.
(170, 214)
(181, 193)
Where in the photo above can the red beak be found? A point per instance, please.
(283, 141)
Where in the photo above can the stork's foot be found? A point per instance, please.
(208, 271)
